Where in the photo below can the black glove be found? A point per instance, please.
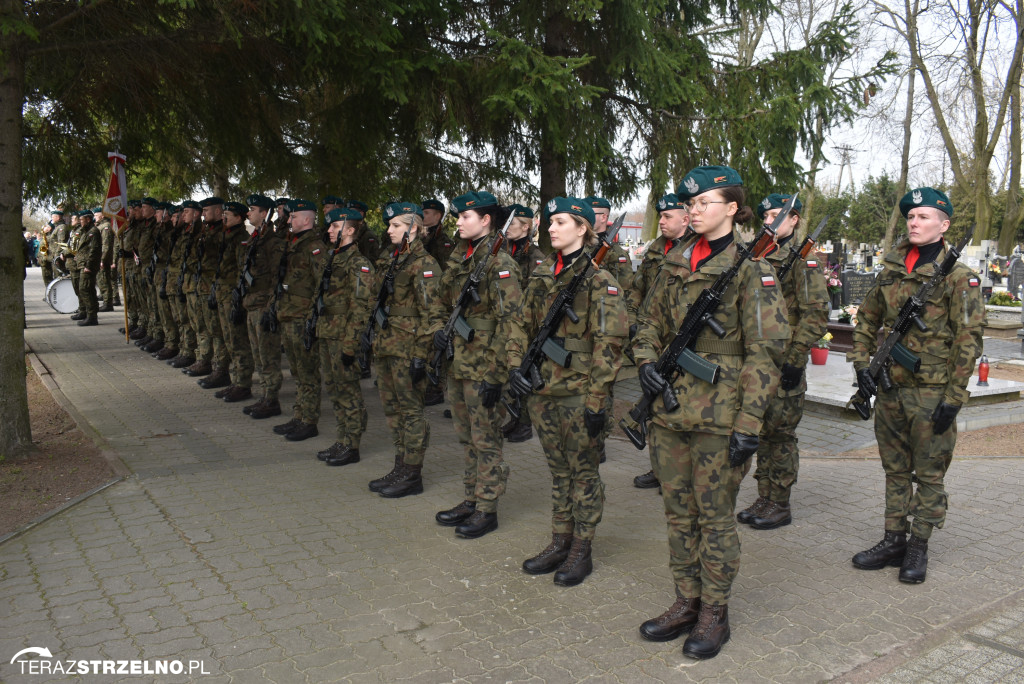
(866, 382)
(943, 416)
(365, 343)
(651, 381)
(518, 384)
(741, 448)
(489, 394)
(417, 370)
(347, 360)
(594, 422)
(790, 377)
(440, 341)
(632, 331)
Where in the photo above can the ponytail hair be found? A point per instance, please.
(738, 194)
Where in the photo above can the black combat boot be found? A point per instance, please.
(747, 514)
(710, 634)
(143, 341)
(915, 563)
(577, 565)
(248, 409)
(382, 482)
(477, 525)
(167, 353)
(551, 557)
(889, 551)
(285, 428)
(183, 361)
(198, 369)
(238, 394)
(509, 427)
(137, 334)
(433, 396)
(88, 320)
(407, 482)
(270, 408)
(674, 622)
(773, 515)
(221, 393)
(107, 307)
(154, 345)
(457, 515)
(342, 456)
(78, 316)
(219, 378)
(302, 432)
(519, 433)
(646, 481)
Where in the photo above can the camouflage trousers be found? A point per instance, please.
(211, 321)
(911, 454)
(698, 488)
(403, 408)
(168, 321)
(236, 343)
(87, 300)
(135, 313)
(577, 492)
(105, 281)
(153, 303)
(305, 368)
(46, 266)
(266, 354)
(479, 432)
(186, 333)
(346, 395)
(778, 458)
(75, 279)
(204, 343)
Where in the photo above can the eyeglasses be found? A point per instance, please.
(701, 205)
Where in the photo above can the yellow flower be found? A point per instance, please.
(827, 337)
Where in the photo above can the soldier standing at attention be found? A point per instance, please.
(527, 257)
(90, 252)
(915, 423)
(673, 222)
(281, 217)
(347, 300)
(167, 232)
(127, 240)
(236, 335)
(58, 241)
(148, 231)
(438, 244)
(71, 262)
(702, 449)
(304, 255)
(47, 249)
(265, 344)
(214, 244)
(778, 459)
(479, 368)
(185, 244)
(401, 350)
(190, 266)
(569, 411)
(108, 269)
(367, 242)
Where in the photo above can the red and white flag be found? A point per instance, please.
(115, 206)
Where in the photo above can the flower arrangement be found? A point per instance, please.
(848, 314)
(832, 282)
(995, 269)
(824, 340)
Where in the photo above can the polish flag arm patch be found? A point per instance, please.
(503, 274)
(364, 269)
(612, 290)
(812, 264)
(623, 260)
(973, 282)
(767, 281)
(316, 251)
(428, 274)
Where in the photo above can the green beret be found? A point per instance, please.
(399, 208)
(190, 204)
(151, 201)
(301, 205)
(926, 197)
(163, 205)
(775, 201)
(704, 178)
(670, 201)
(571, 205)
(473, 200)
(211, 201)
(332, 199)
(237, 208)
(434, 204)
(261, 201)
(598, 202)
(281, 200)
(58, 212)
(358, 206)
(519, 211)
(343, 214)
(84, 212)
(97, 210)
(175, 209)
(134, 203)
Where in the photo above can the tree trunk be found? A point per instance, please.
(552, 139)
(15, 430)
(1013, 219)
(901, 187)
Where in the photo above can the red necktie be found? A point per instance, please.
(514, 245)
(701, 251)
(911, 259)
(558, 263)
(469, 250)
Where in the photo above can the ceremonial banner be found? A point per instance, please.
(115, 206)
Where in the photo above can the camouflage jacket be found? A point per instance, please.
(596, 342)
(188, 259)
(305, 254)
(414, 312)
(126, 240)
(486, 357)
(439, 244)
(807, 305)
(753, 314)
(527, 257)
(348, 299)
(59, 239)
(368, 243)
(954, 314)
(167, 238)
(90, 249)
(266, 260)
(236, 240)
(640, 289)
(211, 247)
(107, 239)
(146, 235)
(619, 265)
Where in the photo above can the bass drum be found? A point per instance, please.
(60, 295)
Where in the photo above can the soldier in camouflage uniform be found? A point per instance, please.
(674, 224)
(778, 458)
(702, 449)
(439, 245)
(236, 334)
(127, 244)
(71, 262)
(167, 234)
(201, 267)
(402, 349)
(182, 272)
(347, 299)
(268, 249)
(148, 233)
(915, 423)
(367, 242)
(304, 255)
(58, 241)
(48, 247)
(90, 252)
(169, 290)
(215, 246)
(570, 410)
(479, 367)
(108, 269)
(527, 256)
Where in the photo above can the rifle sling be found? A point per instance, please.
(713, 345)
(481, 324)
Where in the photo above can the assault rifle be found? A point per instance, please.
(154, 260)
(268, 321)
(679, 356)
(544, 343)
(309, 331)
(805, 248)
(237, 314)
(467, 297)
(892, 348)
(379, 317)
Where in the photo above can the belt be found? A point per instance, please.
(577, 345)
(336, 310)
(411, 311)
(711, 345)
(482, 324)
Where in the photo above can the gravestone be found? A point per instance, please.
(1015, 275)
(856, 286)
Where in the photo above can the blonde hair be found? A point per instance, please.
(590, 237)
